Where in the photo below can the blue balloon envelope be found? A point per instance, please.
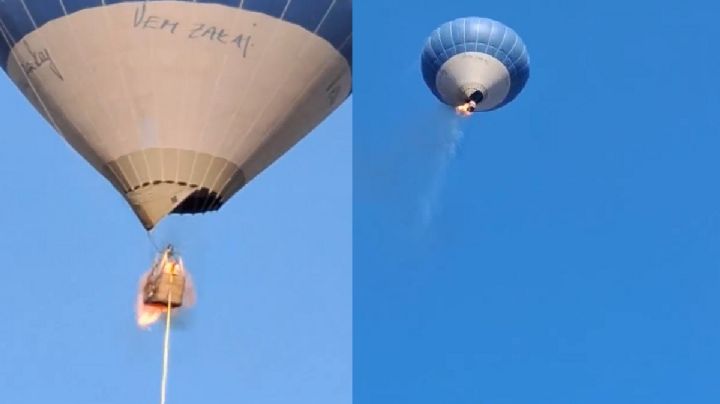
(475, 59)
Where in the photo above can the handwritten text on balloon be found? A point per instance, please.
(203, 31)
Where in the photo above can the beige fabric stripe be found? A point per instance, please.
(155, 189)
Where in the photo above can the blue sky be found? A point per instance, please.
(566, 252)
(569, 251)
(272, 270)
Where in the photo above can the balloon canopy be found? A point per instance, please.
(179, 103)
(476, 59)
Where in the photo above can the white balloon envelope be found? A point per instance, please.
(179, 104)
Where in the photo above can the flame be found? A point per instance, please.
(148, 314)
(466, 109)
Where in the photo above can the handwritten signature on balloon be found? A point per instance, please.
(38, 60)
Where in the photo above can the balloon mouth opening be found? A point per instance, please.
(181, 199)
(199, 201)
(470, 104)
(160, 188)
(476, 96)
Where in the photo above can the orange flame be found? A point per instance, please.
(147, 314)
(466, 109)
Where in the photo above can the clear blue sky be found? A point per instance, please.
(272, 269)
(573, 251)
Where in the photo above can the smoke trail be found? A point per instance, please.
(450, 136)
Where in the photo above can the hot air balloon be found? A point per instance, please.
(179, 103)
(476, 63)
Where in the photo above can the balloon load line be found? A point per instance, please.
(166, 350)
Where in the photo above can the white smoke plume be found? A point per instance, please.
(450, 138)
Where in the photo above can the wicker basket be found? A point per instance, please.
(158, 290)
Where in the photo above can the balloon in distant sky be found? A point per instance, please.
(179, 104)
(476, 64)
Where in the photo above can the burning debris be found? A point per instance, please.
(163, 290)
(167, 286)
(466, 109)
(473, 99)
